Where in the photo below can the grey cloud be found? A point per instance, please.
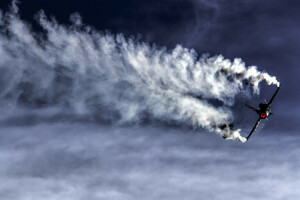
(79, 162)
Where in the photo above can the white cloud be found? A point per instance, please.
(119, 80)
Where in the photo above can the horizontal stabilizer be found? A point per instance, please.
(251, 107)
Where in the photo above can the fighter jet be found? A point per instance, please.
(264, 111)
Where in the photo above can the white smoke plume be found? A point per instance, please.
(117, 79)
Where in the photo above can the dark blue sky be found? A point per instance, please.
(264, 34)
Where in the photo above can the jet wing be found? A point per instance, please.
(270, 102)
(254, 128)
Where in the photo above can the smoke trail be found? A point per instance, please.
(118, 80)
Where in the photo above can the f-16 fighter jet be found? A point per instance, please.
(264, 112)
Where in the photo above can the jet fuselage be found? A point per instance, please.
(264, 110)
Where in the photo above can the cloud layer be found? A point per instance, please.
(75, 162)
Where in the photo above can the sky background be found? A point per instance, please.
(53, 158)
